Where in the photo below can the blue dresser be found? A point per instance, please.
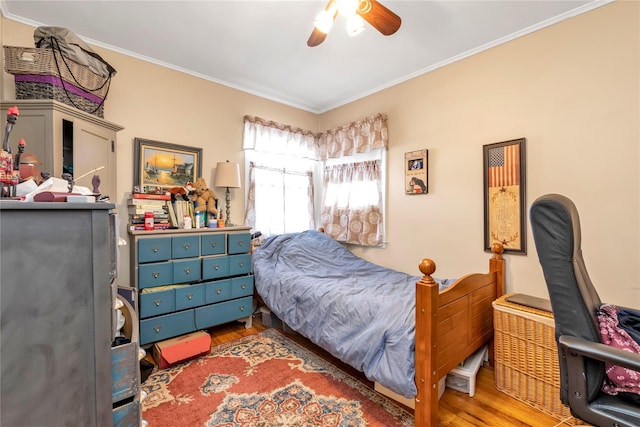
(190, 280)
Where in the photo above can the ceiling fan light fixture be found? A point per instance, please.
(356, 12)
(324, 21)
(347, 8)
(355, 25)
(364, 6)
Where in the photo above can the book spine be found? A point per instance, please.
(155, 226)
(147, 202)
(134, 211)
(155, 216)
(150, 196)
(172, 214)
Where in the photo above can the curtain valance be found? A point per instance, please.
(272, 137)
(356, 137)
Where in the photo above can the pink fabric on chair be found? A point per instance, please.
(618, 379)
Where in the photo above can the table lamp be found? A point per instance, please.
(228, 175)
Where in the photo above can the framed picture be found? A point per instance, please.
(160, 165)
(415, 167)
(504, 195)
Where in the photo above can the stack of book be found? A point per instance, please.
(181, 208)
(141, 203)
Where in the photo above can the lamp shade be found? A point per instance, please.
(228, 175)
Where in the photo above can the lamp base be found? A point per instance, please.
(227, 221)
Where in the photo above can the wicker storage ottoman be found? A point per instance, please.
(43, 74)
(526, 357)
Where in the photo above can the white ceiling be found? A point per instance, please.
(260, 46)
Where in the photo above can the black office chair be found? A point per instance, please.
(575, 302)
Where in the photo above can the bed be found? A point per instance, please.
(403, 332)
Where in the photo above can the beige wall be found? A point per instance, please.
(571, 89)
(161, 104)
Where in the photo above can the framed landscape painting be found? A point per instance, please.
(160, 165)
(504, 195)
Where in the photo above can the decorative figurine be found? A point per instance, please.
(12, 117)
(8, 178)
(69, 178)
(95, 182)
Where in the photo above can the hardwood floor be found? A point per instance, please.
(488, 408)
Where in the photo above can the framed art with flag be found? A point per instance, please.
(504, 195)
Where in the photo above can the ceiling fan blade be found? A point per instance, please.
(324, 20)
(379, 17)
(316, 37)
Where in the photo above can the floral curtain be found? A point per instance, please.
(356, 137)
(352, 208)
(349, 213)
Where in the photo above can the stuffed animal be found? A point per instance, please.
(205, 198)
(182, 193)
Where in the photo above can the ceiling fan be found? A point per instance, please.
(356, 12)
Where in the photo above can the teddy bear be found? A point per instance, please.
(204, 197)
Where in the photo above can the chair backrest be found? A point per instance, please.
(556, 231)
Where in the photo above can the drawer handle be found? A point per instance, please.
(189, 296)
(213, 244)
(216, 267)
(240, 243)
(156, 275)
(243, 286)
(241, 264)
(157, 302)
(155, 249)
(241, 308)
(187, 270)
(186, 246)
(218, 291)
(156, 329)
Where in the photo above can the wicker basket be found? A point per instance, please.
(41, 90)
(60, 78)
(526, 358)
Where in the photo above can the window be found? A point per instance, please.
(352, 203)
(281, 171)
(291, 171)
(280, 199)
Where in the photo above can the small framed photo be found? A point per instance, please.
(416, 167)
(159, 165)
(504, 196)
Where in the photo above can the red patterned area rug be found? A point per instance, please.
(264, 380)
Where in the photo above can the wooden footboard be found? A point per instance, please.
(450, 326)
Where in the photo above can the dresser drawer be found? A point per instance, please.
(238, 243)
(155, 274)
(241, 286)
(215, 268)
(212, 244)
(127, 415)
(185, 271)
(223, 312)
(154, 249)
(217, 291)
(124, 374)
(185, 247)
(190, 296)
(155, 303)
(167, 326)
(239, 264)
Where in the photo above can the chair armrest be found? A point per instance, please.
(620, 308)
(599, 351)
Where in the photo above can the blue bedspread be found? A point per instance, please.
(361, 313)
